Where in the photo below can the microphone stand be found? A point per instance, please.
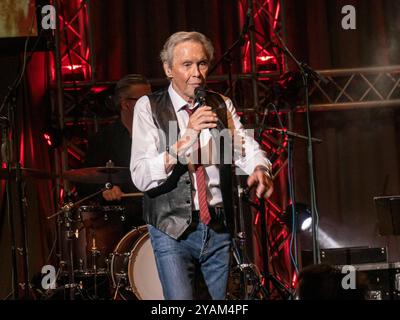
(11, 151)
(226, 57)
(307, 72)
(6, 157)
(250, 276)
(248, 270)
(291, 136)
(267, 276)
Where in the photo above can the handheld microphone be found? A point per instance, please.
(200, 96)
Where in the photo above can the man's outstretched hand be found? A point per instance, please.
(262, 180)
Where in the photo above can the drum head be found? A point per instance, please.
(133, 261)
(143, 274)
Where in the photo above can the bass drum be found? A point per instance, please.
(133, 267)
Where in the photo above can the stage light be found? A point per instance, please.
(73, 72)
(306, 224)
(72, 67)
(303, 217)
(266, 62)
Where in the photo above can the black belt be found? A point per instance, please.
(217, 223)
(217, 215)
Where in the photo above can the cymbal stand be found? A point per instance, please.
(95, 254)
(69, 236)
(66, 211)
(6, 157)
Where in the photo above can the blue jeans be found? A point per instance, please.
(176, 261)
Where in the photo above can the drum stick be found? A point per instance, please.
(133, 194)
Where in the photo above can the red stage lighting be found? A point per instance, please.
(73, 72)
(53, 137)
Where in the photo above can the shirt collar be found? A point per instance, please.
(177, 101)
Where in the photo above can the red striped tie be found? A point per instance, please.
(200, 172)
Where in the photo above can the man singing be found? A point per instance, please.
(187, 203)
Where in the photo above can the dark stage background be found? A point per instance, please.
(360, 155)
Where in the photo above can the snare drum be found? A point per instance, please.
(133, 267)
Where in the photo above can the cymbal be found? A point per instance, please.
(26, 173)
(99, 175)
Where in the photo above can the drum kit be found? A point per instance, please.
(98, 259)
(102, 258)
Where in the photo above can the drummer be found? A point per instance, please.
(113, 142)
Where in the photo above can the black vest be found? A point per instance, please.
(168, 207)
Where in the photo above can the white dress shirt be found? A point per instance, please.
(147, 160)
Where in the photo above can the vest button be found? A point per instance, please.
(188, 201)
(187, 181)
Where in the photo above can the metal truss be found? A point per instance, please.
(262, 62)
(266, 21)
(75, 45)
(356, 88)
(73, 68)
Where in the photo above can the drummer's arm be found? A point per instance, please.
(147, 165)
(115, 193)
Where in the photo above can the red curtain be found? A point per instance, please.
(31, 109)
(129, 34)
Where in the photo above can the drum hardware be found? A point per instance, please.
(255, 285)
(66, 213)
(122, 277)
(250, 279)
(107, 260)
(123, 283)
(105, 224)
(95, 254)
(80, 270)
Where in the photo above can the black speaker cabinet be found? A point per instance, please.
(383, 280)
(347, 256)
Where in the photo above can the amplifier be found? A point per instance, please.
(371, 264)
(383, 280)
(347, 256)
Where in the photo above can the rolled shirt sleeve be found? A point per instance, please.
(249, 154)
(147, 160)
